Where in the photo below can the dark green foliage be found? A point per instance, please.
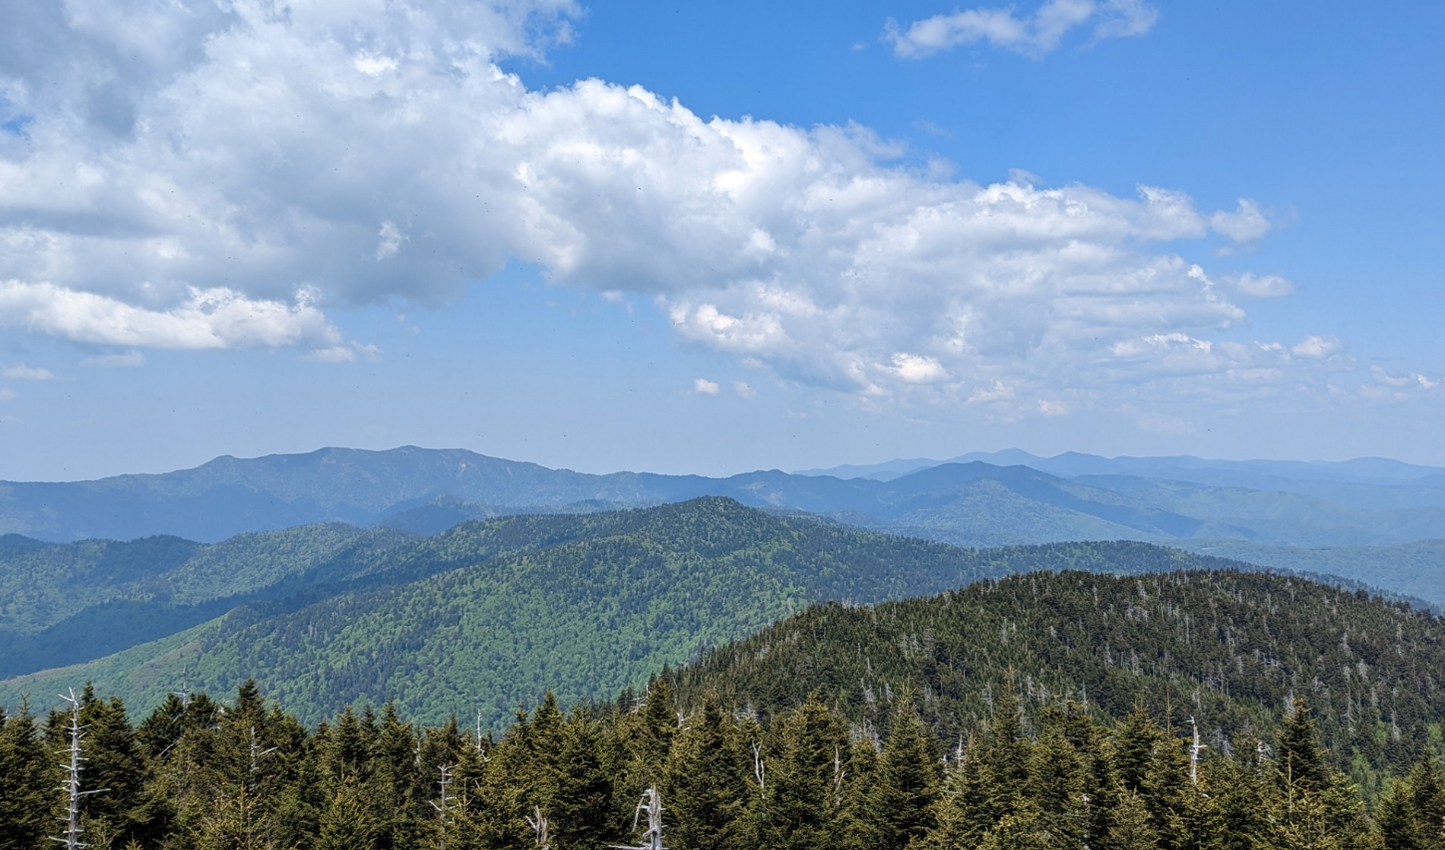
(1232, 646)
(706, 783)
(904, 785)
(803, 804)
(26, 783)
(491, 613)
(245, 776)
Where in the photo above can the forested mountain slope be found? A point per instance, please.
(199, 772)
(1229, 648)
(949, 739)
(491, 612)
(72, 602)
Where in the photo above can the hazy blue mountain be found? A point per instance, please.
(972, 503)
(1370, 483)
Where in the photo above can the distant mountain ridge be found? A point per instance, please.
(1364, 470)
(969, 503)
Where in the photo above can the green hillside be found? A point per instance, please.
(66, 603)
(492, 612)
(1229, 648)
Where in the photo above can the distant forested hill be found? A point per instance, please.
(1230, 649)
(491, 612)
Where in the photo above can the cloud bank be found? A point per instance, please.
(227, 175)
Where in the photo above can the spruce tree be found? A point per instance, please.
(805, 791)
(704, 784)
(905, 784)
(348, 822)
(1311, 804)
(25, 783)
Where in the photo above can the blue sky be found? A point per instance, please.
(712, 237)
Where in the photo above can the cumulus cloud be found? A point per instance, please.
(1317, 347)
(230, 178)
(205, 318)
(702, 386)
(1245, 224)
(22, 372)
(743, 389)
(1033, 35)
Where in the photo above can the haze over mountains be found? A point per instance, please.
(997, 499)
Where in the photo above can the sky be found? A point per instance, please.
(714, 237)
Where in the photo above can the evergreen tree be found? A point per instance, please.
(348, 822)
(905, 785)
(1311, 804)
(1412, 815)
(581, 803)
(1057, 803)
(989, 784)
(1132, 827)
(805, 780)
(704, 784)
(25, 783)
(1137, 738)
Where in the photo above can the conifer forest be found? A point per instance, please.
(704, 758)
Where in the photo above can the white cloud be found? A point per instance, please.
(702, 386)
(1245, 224)
(6, 394)
(273, 168)
(22, 372)
(1392, 386)
(915, 369)
(1317, 347)
(1034, 35)
(209, 318)
(128, 360)
(1262, 286)
(743, 389)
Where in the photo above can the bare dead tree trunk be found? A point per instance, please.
(652, 836)
(538, 822)
(444, 805)
(71, 784)
(1194, 751)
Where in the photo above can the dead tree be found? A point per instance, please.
(538, 823)
(652, 836)
(71, 784)
(1194, 750)
(445, 804)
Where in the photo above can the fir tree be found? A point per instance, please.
(905, 785)
(704, 784)
(25, 783)
(805, 791)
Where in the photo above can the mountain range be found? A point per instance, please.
(474, 619)
(1366, 502)
(1370, 519)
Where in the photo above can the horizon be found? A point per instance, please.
(808, 471)
(708, 239)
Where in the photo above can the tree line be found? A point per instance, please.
(244, 775)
